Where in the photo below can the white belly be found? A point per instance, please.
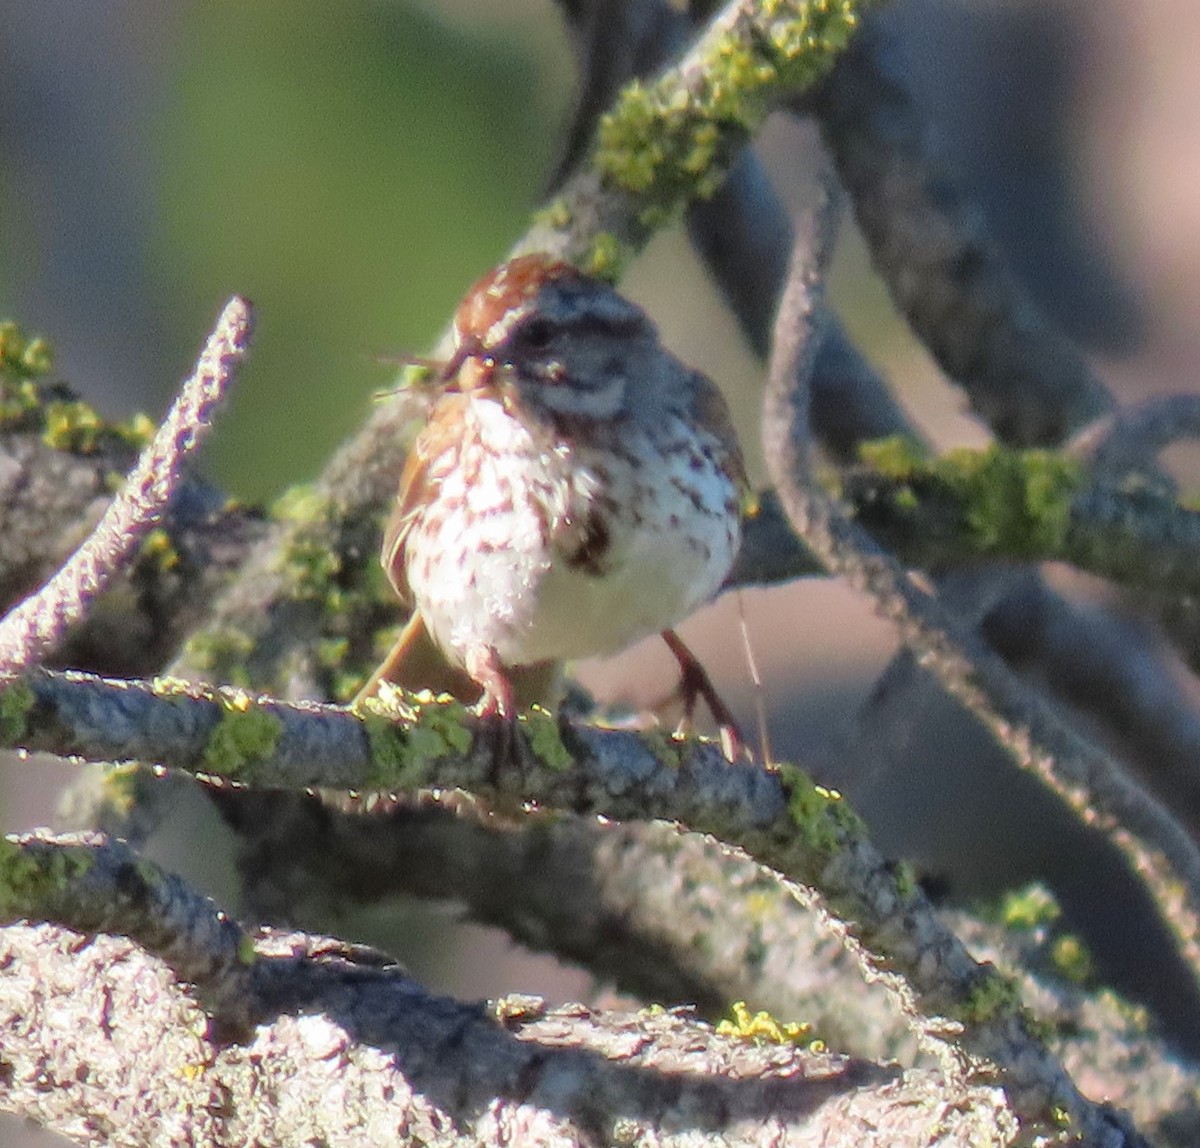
(501, 574)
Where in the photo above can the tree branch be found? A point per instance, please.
(931, 245)
(346, 1048)
(31, 630)
(780, 818)
(1086, 778)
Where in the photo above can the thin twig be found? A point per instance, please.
(34, 627)
(1126, 443)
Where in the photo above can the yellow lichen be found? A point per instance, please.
(762, 1028)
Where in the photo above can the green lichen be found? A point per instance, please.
(439, 730)
(158, 549)
(409, 733)
(72, 425)
(120, 783)
(331, 652)
(302, 505)
(31, 878)
(545, 738)
(16, 701)
(387, 743)
(246, 952)
(991, 996)
(906, 879)
(604, 257)
(671, 140)
(137, 432)
(1016, 502)
(220, 654)
(64, 421)
(307, 561)
(1072, 959)
(150, 873)
(1029, 908)
(556, 215)
(825, 820)
(897, 456)
(245, 735)
(20, 405)
(21, 357)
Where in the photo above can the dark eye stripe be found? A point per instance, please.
(536, 332)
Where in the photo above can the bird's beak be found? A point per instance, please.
(469, 367)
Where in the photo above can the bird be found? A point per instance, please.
(575, 488)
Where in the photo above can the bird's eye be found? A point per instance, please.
(537, 333)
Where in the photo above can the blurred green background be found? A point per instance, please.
(347, 166)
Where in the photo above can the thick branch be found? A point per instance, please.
(782, 820)
(103, 1044)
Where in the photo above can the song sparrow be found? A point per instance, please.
(575, 488)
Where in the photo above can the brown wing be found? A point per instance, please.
(712, 411)
(431, 455)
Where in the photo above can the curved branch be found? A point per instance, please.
(1022, 375)
(1125, 444)
(779, 817)
(103, 1044)
(30, 630)
(1086, 778)
(95, 885)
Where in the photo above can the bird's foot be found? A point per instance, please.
(694, 684)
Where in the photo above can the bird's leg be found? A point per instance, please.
(695, 683)
(498, 700)
(497, 705)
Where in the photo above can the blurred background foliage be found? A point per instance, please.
(349, 167)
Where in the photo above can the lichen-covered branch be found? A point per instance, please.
(1085, 777)
(998, 504)
(95, 885)
(34, 627)
(742, 231)
(407, 744)
(103, 1044)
